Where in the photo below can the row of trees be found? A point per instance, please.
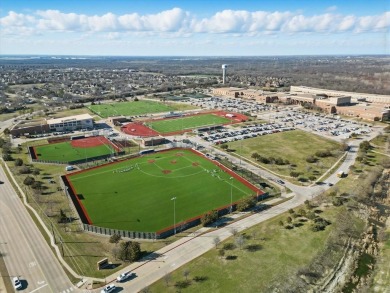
(270, 160)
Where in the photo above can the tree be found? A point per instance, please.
(7, 131)
(186, 273)
(115, 238)
(37, 185)
(311, 159)
(221, 253)
(289, 220)
(216, 241)
(209, 218)
(281, 223)
(240, 240)
(36, 172)
(246, 203)
(224, 146)
(28, 180)
(233, 231)
(294, 174)
(115, 252)
(18, 162)
(24, 170)
(167, 279)
(7, 157)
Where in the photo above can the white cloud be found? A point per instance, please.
(178, 22)
(331, 8)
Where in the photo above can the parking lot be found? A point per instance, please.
(231, 105)
(224, 135)
(324, 125)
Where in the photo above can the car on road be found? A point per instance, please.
(16, 282)
(330, 184)
(108, 289)
(280, 181)
(123, 277)
(1, 182)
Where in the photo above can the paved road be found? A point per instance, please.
(27, 254)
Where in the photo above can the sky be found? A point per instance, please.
(194, 28)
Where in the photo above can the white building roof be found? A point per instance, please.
(69, 118)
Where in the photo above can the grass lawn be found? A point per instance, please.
(183, 123)
(65, 152)
(136, 194)
(276, 254)
(294, 146)
(136, 108)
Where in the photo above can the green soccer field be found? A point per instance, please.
(65, 152)
(135, 195)
(186, 123)
(130, 108)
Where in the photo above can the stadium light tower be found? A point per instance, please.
(224, 66)
(174, 214)
(231, 194)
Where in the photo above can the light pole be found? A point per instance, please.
(231, 194)
(174, 214)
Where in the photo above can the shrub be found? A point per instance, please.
(337, 201)
(18, 162)
(24, 170)
(302, 179)
(323, 154)
(209, 218)
(246, 203)
(311, 159)
(228, 246)
(7, 157)
(319, 224)
(28, 180)
(294, 174)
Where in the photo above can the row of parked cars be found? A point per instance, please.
(231, 105)
(225, 135)
(325, 124)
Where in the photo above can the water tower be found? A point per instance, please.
(224, 66)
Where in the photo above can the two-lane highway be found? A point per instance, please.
(27, 254)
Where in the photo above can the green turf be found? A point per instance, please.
(65, 152)
(140, 199)
(183, 123)
(130, 108)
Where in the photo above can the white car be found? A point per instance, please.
(108, 289)
(123, 277)
(17, 284)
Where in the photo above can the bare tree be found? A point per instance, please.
(234, 231)
(216, 241)
(240, 241)
(186, 273)
(167, 279)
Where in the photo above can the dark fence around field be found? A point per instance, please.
(75, 162)
(123, 233)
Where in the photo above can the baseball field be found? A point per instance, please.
(75, 150)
